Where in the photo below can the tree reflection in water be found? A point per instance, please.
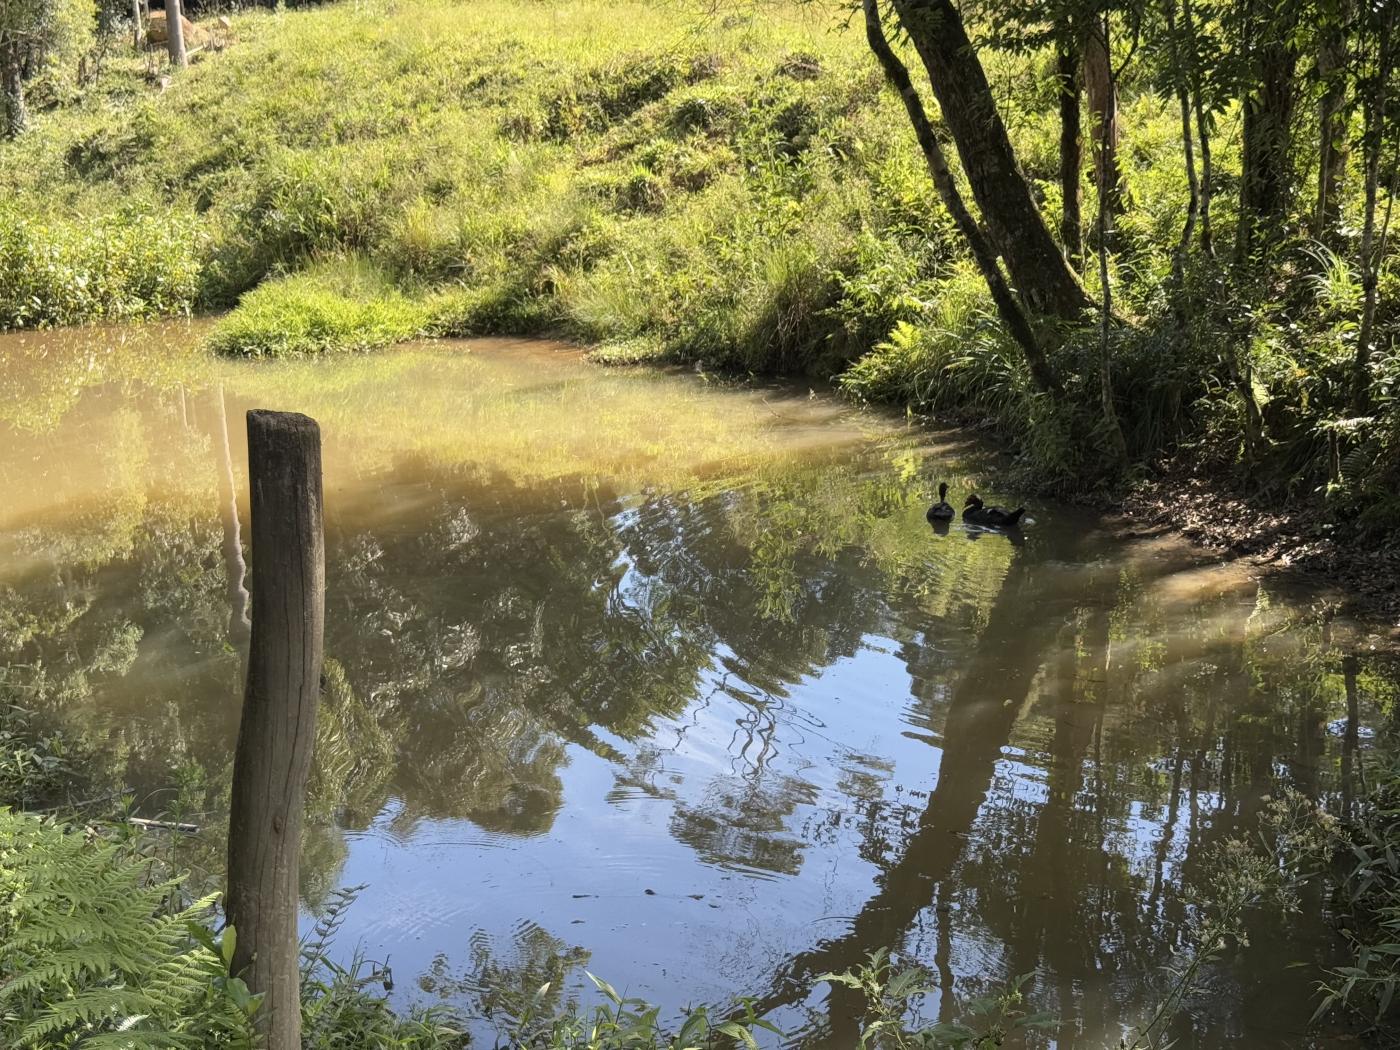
(725, 716)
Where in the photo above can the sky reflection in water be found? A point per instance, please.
(670, 681)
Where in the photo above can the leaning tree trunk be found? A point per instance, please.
(1267, 175)
(1008, 307)
(1332, 119)
(14, 113)
(1071, 146)
(175, 33)
(1102, 89)
(1038, 268)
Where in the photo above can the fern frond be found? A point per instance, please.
(90, 949)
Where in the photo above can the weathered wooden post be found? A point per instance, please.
(278, 729)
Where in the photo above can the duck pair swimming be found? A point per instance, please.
(974, 512)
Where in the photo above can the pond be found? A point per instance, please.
(668, 680)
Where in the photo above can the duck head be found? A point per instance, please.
(974, 502)
(942, 491)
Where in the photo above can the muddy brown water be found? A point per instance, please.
(669, 681)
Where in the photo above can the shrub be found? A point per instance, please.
(122, 266)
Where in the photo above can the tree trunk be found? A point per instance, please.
(1102, 89)
(136, 29)
(1008, 308)
(1267, 175)
(278, 729)
(1332, 119)
(14, 113)
(1038, 268)
(1193, 58)
(1071, 147)
(175, 33)
(1118, 446)
(1370, 262)
(1193, 207)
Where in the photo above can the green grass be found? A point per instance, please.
(333, 306)
(739, 190)
(607, 173)
(61, 270)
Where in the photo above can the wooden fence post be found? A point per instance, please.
(278, 729)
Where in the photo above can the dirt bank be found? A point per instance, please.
(1300, 540)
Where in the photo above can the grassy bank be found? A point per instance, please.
(699, 190)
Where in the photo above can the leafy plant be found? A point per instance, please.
(892, 997)
(346, 1001)
(622, 1023)
(34, 764)
(1370, 894)
(93, 947)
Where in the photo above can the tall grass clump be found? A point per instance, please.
(339, 305)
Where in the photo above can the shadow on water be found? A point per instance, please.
(677, 683)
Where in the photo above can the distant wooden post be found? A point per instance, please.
(278, 730)
(136, 24)
(175, 33)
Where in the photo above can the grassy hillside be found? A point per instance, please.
(740, 189)
(614, 170)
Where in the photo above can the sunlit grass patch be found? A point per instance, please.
(337, 306)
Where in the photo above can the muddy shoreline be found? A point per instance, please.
(1300, 542)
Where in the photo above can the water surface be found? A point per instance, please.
(669, 680)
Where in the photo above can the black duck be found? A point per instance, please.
(942, 510)
(977, 513)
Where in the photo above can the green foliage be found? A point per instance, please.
(129, 264)
(892, 999)
(342, 1002)
(621, 1023)
(35, 764)
(93, 949)
(341, 305)
(1370, 893)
